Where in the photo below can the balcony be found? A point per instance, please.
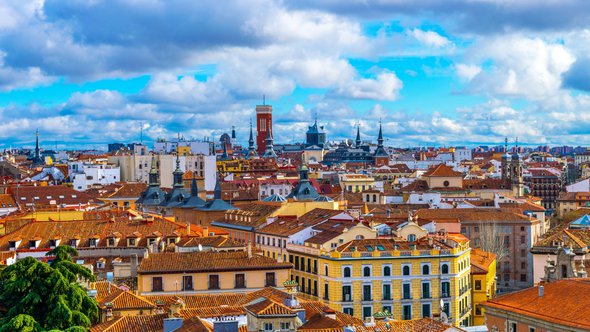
(406, 296)
(426, 296)
(445, 295)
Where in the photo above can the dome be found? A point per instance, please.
(274, 198)
(225, 138)
(323, 198)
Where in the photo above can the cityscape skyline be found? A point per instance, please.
(434, 77)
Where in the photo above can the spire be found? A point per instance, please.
(217, 192)
(177, 174)
(194, 188)
(303, 170)
(153, 175)
(269, 152)
(358, 135)
(251, 148)
(233, 133)
(224, 156)
(380, 137)
(37, 145)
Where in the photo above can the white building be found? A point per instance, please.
(461, 154)
(136, 168)
(85, 175)
(196, 147)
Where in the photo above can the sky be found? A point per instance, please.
(435, 73)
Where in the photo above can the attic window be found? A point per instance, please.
(74, 196)
(61, 196)
(380, 247)
(49, 197)
(23, 198)
(36, 198)
(369, 248)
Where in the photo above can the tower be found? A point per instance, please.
(177, 174)
(516, 164)
(37, 157)
(506, 161)
(358, 142)
(154, 174)
(381, 157)
(269, 151)
(263, 126)
(315, 135)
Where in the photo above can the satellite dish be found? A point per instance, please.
(200, 247)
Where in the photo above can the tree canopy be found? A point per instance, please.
(39, 296)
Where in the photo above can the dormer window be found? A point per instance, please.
(111, 242)
(171, 240)
(74, 243)
(33, 244)
(151, 241)
(131, 242)
(93, 242)
(13, 245)
(53, 243)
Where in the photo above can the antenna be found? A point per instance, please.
(141, 133)
(263, 99)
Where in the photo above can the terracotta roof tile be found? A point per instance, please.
(207, 261)
(141, 323)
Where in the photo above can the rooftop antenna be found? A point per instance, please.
(141, 133)
(263, 99)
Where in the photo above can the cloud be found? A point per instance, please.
(517, 66)
(467, 72)
(385, 86)
(430, 38)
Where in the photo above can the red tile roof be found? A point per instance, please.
(562, 303)
(442, 170)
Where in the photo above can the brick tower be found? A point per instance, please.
(263, 126)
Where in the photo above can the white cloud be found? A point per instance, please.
(430, 38)
(467, 72)
(520, 66)
(385, 86)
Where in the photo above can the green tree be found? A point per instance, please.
(41, 297)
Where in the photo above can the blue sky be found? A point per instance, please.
(452, 72)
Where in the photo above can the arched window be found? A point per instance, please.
(445, 269)
(411, 237)
(406, 270)
(387, 271)
(425, 270)
(366, 271)
(359, 237)
(374, 198)
(347, 272)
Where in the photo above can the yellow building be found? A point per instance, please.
(483, 282)
(408, 279)
(356, 182)
(209, 272)
(125, 195)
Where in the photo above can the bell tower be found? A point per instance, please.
(263, 125)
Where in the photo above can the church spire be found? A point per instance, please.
(194, 188)
(358, 135)
(380, 137)
(177, 174)
(153, 176)
(269, 152)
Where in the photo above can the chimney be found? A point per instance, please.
(205, 231)
(249, 249)
(133, 265)
(541, 291)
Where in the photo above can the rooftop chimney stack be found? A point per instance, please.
(249, 249)
(541, 291)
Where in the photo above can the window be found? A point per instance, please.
(412, 237)
(213, 281)
(476, 229)
(367, 312)
(445, 289)
(425, 310)
(93, 242)
(367, 293)
(366, 271)
(240, 280)
(406, 270)
(522, 240)
(446, 183)
(512, 327)
(348, 311)
(131, 242)
(523, 277)
(425, 270)
(407, 312)
(346, 272)
(387, 271)
(157, 284)
(426, 290)
(268, 327)
(531, 329)
(285, 325)
(444, 269)
(270, 279)
(477, 284)
(477, 311)
(386, 308)
(387, 292)
(346, 293)
(406, 291)
(187, 283)
(111, 242)
(326, 292)
(522, 253)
